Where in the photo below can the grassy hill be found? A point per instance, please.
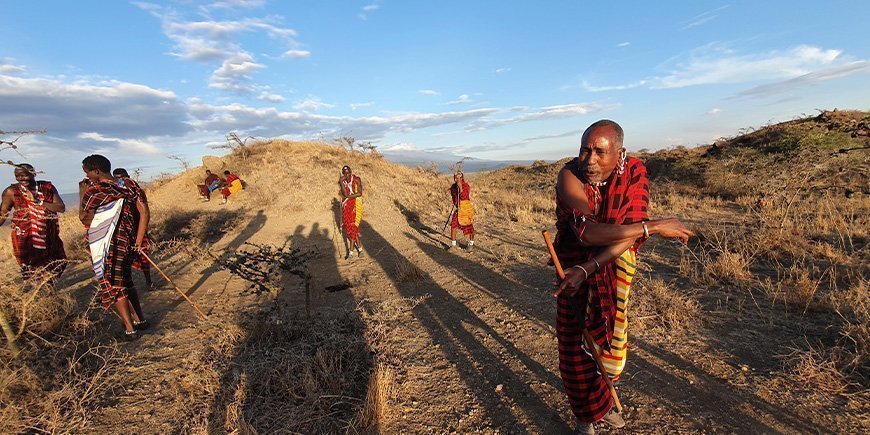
(758, 325)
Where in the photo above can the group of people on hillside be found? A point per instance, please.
(230, 184)
(602, 220)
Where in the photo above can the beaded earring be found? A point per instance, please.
(620, 166)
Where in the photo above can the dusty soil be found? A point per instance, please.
(478, 354)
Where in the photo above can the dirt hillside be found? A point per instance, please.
(746, 330)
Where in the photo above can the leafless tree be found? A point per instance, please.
(185, 164)
(236, 145)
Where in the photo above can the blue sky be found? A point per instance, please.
(138, 81)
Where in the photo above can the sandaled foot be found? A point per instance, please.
(131, 335)
(614, 419)
(141, 326)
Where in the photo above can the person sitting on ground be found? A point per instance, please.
(601, 220)
(463, 211)
(36, 239)
(141, 263)
(232, 184)
(211, 183)
(116, 221)
(351, 190)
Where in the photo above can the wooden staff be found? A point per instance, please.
(590, 343)
(173, 284)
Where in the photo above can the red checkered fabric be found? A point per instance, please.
(623, 200)
(457, 195)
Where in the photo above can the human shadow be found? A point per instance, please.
(413, 219)
(254, 225)
(722, 402)
(526, 298)
(449, 324)
(285, 366)
(337, 222)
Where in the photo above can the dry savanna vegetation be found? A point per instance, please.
(759, 324)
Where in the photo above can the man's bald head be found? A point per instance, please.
(604, 127)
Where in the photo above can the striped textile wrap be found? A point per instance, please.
(351, 208)
(623, 200)
(233, 185)
(35, 231)
(463, 219)
(111, 238)
(141, 262)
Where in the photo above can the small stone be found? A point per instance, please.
(498, 388)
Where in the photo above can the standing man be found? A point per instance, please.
(463, 211)
(141, 263)
(351, 190)
(601, 219)
(35, 231)
(116, 221)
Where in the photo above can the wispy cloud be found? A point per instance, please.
(210, 41)
(7, 66)
(462, 99)
(235, 4)
(127, 145)
(502, 70)
(312, 104)
(714, 111)
(297, 54)
(272, 98)
(809, 79)
(704, 17)
(428, 92)
(368, 9)
(717, 64)
(354, 106)
(623, 44)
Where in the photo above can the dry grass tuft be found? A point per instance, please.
(656, 305)
(406, 271)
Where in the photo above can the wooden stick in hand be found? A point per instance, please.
(590, 343)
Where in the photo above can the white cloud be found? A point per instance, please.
(428, 92)
(272, 98)
(110, 107)
(400, 147)
(714, 111)
(623, 44)
(710, 68)
(8, 68)
(367, 9)
(716, 64)
(312, 104)
(704, 17)
(210, 41)
(297, 54)
(135, 146)
(236, 4)
(462, 99)
(354, 106)
(766, 90)
(502, 70)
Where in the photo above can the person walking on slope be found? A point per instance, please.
(36, 239)
(116, 221)
(351, 190)
(601, 220)
(462, 217)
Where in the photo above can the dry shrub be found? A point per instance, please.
(656, 305)
(724, 256)
(381, 388)
(816, 371)
(260, 375)
(406, 271)
(52, 386)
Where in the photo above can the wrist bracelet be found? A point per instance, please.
(597, 265)
(645, 230)
(584, 271)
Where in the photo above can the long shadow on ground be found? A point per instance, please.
(449, 323)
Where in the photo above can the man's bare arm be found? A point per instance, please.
(6, 205)
(144, 218)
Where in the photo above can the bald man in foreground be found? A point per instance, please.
(602, 198)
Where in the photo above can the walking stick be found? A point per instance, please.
(176, 287)
(590, 343)
(449, 218)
